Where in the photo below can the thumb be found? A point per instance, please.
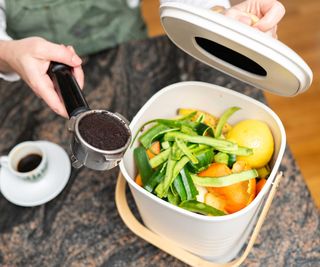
(271, 18)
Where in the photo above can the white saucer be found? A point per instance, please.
(34, 193)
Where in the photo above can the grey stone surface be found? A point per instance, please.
(81, 226)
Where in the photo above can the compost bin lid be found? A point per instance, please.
(236, 49)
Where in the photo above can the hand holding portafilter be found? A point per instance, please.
(98, 146)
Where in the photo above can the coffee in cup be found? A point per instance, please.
(29, 163)
(26, 160)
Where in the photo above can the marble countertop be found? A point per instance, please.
(81, 226)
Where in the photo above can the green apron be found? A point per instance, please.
(88, 25)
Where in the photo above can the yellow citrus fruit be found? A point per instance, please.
(254, 134)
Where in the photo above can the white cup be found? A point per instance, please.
(26, 160)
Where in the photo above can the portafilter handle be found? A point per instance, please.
(68, 89)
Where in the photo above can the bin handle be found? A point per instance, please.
(170, 247)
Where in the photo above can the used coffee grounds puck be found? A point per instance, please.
(103, 131)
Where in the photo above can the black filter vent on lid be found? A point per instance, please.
(232, 57)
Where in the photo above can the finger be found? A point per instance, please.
(60, 53)
(246, 20)
(241, 16)
(44, 88)
(78, 74)
(238, 15)
(50, 96)
(233, 13)
(77, 71)
(271, 18)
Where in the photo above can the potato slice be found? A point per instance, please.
(215, 201)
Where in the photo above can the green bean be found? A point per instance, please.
(173, 198)
(179, 187)
(191, 190)
(204, 157)
(179, 165)
(186, 150)
(221, 157)
(154, 180)
(225, 180)
(151, 134)
(160, 158)
(223, 120)
(162, 189)
(202, 208)
(210, 141)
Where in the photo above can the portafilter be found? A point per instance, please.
(99, 137)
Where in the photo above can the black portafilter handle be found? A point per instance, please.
(67, 87)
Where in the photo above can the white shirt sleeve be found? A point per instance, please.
(202, 3)
(3, 25)
(11, 77)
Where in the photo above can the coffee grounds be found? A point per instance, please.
(103, 131)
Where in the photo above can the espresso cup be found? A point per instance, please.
(26, 160)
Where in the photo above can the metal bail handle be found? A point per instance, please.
(68, 89)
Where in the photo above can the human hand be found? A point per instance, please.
(31, 57)
(268, 13)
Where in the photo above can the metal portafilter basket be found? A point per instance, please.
(84, 151)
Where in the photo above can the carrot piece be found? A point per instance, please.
(153, 150)
(139, 180)
(260, 185)
(215, 170)
(236, 196)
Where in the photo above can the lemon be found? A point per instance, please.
(254, 134)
